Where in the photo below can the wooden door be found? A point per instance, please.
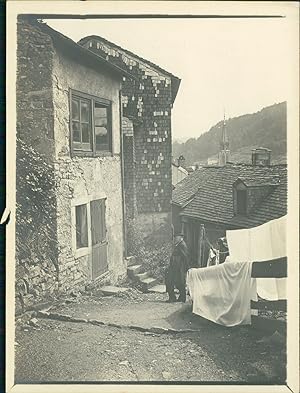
(99, 238)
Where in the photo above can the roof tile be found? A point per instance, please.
(206, 194)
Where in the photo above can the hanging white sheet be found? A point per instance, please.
(213, 257)
(222, 293)
(265, 242)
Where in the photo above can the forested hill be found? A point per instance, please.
(266, 128)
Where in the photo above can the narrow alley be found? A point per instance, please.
(139, 337)
(150, 216)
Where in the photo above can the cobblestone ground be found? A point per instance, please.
(56, 351)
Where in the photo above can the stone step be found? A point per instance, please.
(131, 261)
(112, 290)
(160, 288)
(141, 276)
(148, 283)
(133, 270)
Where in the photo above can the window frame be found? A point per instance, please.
(85, 251)
(244, 198)
(80, 252)
(238, 186)
(92, 100)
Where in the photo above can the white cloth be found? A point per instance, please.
(213, 257)
(222, 293)
(265, 242)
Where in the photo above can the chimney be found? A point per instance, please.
(261, 156)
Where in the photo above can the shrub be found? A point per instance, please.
(36, 242)
(154, 251)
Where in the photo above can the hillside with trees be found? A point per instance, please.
(266, 128)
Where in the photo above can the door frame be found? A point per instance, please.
(86, 251)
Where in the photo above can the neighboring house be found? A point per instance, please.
(178, 174)
(147, 105)
(231, 196)
(191, 168)
(68, 108)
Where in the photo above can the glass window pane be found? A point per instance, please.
(85, 129)
(102, 127)
(85, 111)
(100, 115)
(101, 137)
(75, 109)
(81, 226)
(76, 131)
(101, 132)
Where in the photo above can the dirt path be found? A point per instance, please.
(58, 351)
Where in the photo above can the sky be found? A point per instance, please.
(234, 65)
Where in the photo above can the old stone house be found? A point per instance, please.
(229, 196)
(147, 102)
(69, 112)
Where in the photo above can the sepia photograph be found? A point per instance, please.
(153, 196)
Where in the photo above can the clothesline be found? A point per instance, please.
(223, 292)
(212, 247)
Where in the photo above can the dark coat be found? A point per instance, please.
(179, 265)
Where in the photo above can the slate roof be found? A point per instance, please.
(207, 194)
(175, 80)
(258, 181)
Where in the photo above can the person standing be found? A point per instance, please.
(175, 275)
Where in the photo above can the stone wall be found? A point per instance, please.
(34, 88)
(36, 240)
(44, 78)
(82, 180)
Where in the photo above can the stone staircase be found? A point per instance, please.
(137, 273)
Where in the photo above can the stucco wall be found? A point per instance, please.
(34, 88)
(81, 179)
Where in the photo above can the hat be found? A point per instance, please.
(177, 239)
